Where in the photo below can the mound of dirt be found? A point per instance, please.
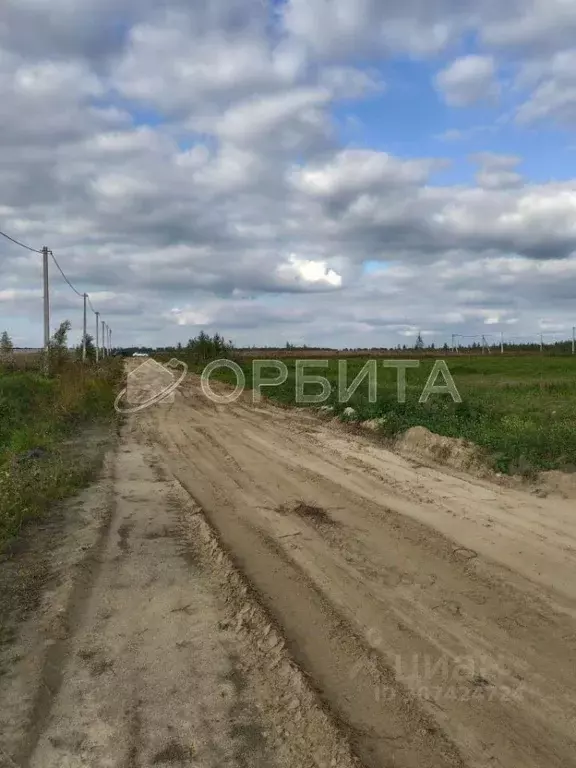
(449, 451)
(561, 483)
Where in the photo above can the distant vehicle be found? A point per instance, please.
(140, 354)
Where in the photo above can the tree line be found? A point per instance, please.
(58, 347)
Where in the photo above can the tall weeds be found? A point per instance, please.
(38, 418)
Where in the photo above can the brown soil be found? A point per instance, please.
(248, 587)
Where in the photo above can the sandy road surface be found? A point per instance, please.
(131, 641)
(434, 614)
(229, 549)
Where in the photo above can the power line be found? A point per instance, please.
(64, 276)
(70, 284)
(44, 252)
(22, 245)
(86, 299)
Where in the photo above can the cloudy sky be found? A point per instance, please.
(329, 172)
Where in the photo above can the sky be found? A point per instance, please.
(343, 173)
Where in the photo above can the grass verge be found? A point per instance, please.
(41, 420)
(521, 411)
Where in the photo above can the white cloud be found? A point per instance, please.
(540, 25)
(12, 294)
(497, 171)
(468, 80)
(554, 95)
(291, 117)
(306, 272)
(190, 157)
(190, 317)
(355, 170)
(202, 69)
(336, 27)
(350, 82)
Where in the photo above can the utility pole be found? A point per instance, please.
(501, 342)
(46, 311)
(103, 340)
(574, 339)
(541, 342)
(110, 332)
(84, 332)
(97, 342)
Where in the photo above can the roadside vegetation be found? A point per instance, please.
(520, 410)
(42, 421)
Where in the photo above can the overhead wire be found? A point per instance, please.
(64, 276)
(55, 260)
(77, 292)
(22, 245)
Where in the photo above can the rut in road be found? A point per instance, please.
(434, 614)
(139, 646)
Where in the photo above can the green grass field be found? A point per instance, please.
(39, 417)
(520, 410)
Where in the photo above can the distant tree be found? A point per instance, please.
(59, 345)
(6, 349)
(205, 347)
(6, 346)
(60, 338)
(446, 348)
(419, 342)
(90, 348)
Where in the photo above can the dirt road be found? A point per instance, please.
(264, 591)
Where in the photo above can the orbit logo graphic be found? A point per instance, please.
(149, 384)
